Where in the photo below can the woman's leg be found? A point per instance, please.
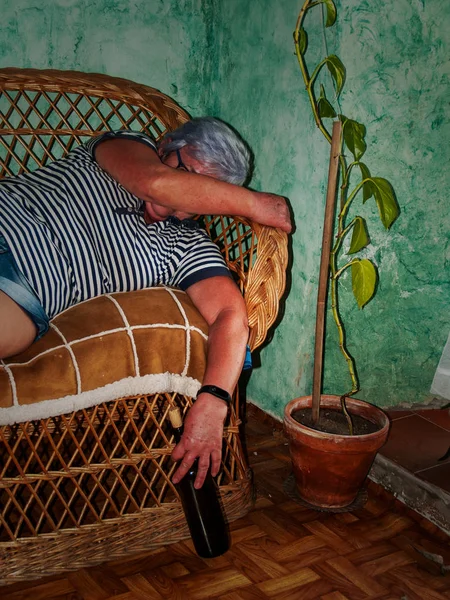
(17, 330)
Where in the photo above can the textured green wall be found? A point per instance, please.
(235, 60)
(163, 43)
(397, 55)
(398, 74)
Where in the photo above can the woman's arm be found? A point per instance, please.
(221, 304)
(140, 171)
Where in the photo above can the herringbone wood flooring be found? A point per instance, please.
(281, 550)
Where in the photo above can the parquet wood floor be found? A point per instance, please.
(281, 550)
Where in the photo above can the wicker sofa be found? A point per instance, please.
(84, 483)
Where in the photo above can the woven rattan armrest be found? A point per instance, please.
(259, 264)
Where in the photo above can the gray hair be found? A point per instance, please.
(216, 145)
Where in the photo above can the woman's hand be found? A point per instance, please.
(202, 439)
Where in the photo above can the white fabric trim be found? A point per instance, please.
(130, 386)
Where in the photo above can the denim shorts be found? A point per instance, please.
(14, 284)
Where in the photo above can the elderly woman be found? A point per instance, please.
(113, 215)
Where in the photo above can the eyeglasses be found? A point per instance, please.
(180, 164)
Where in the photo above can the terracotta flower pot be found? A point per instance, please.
(330, 469)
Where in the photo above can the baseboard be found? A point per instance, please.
(424, 498)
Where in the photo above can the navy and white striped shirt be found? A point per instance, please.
(76, 233)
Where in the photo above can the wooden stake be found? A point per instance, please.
(327, 236)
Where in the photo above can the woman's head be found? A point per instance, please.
(216, 145)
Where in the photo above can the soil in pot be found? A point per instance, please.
(334, 421)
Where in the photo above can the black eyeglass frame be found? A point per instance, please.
(180, 164)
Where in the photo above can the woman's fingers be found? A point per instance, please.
(186, 463)
(188, 459)
(216, 459)
(206, 457)
(179, 451)
(202, 470)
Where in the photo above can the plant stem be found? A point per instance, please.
(347, 414)
(344, 207)
(347, 229)
(346, 266)
(308, 82)
(337, 319)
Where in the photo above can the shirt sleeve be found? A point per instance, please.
(201, 259)
(92, 145)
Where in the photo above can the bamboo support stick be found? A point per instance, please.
(327, 235)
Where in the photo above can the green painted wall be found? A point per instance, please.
(163, 43)
(396, 56)
(235, 60)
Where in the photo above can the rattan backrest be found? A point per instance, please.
(45, 114)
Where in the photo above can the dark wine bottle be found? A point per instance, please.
(202, 507)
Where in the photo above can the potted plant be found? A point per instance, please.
(333, 440)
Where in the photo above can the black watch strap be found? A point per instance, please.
(215, 391)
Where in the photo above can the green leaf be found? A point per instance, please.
(331, 12)
(367, 187)
(325, 108)
(360, 237)
(364, 279)
(302, 40)
(385, 199)
(354, 134)
(337, 71)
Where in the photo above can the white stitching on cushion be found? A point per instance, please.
(129, 330)
(103, 333)
(72, 356)
(187, 329)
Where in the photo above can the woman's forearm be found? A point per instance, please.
(199, 194)
(141, 172)
(202, 438)
(227, 341)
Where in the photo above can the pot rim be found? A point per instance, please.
(290, 422)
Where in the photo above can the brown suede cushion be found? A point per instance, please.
(110, 347)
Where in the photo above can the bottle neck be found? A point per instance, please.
(177, 423)
(177, 433)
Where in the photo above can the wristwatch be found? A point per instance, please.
(215, 391)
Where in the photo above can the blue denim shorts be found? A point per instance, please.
(14, 284)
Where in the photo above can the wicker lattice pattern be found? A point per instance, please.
(45, 114)
(99, 472)
(103, 463)
(82, 488)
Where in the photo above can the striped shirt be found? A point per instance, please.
(76, 233)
